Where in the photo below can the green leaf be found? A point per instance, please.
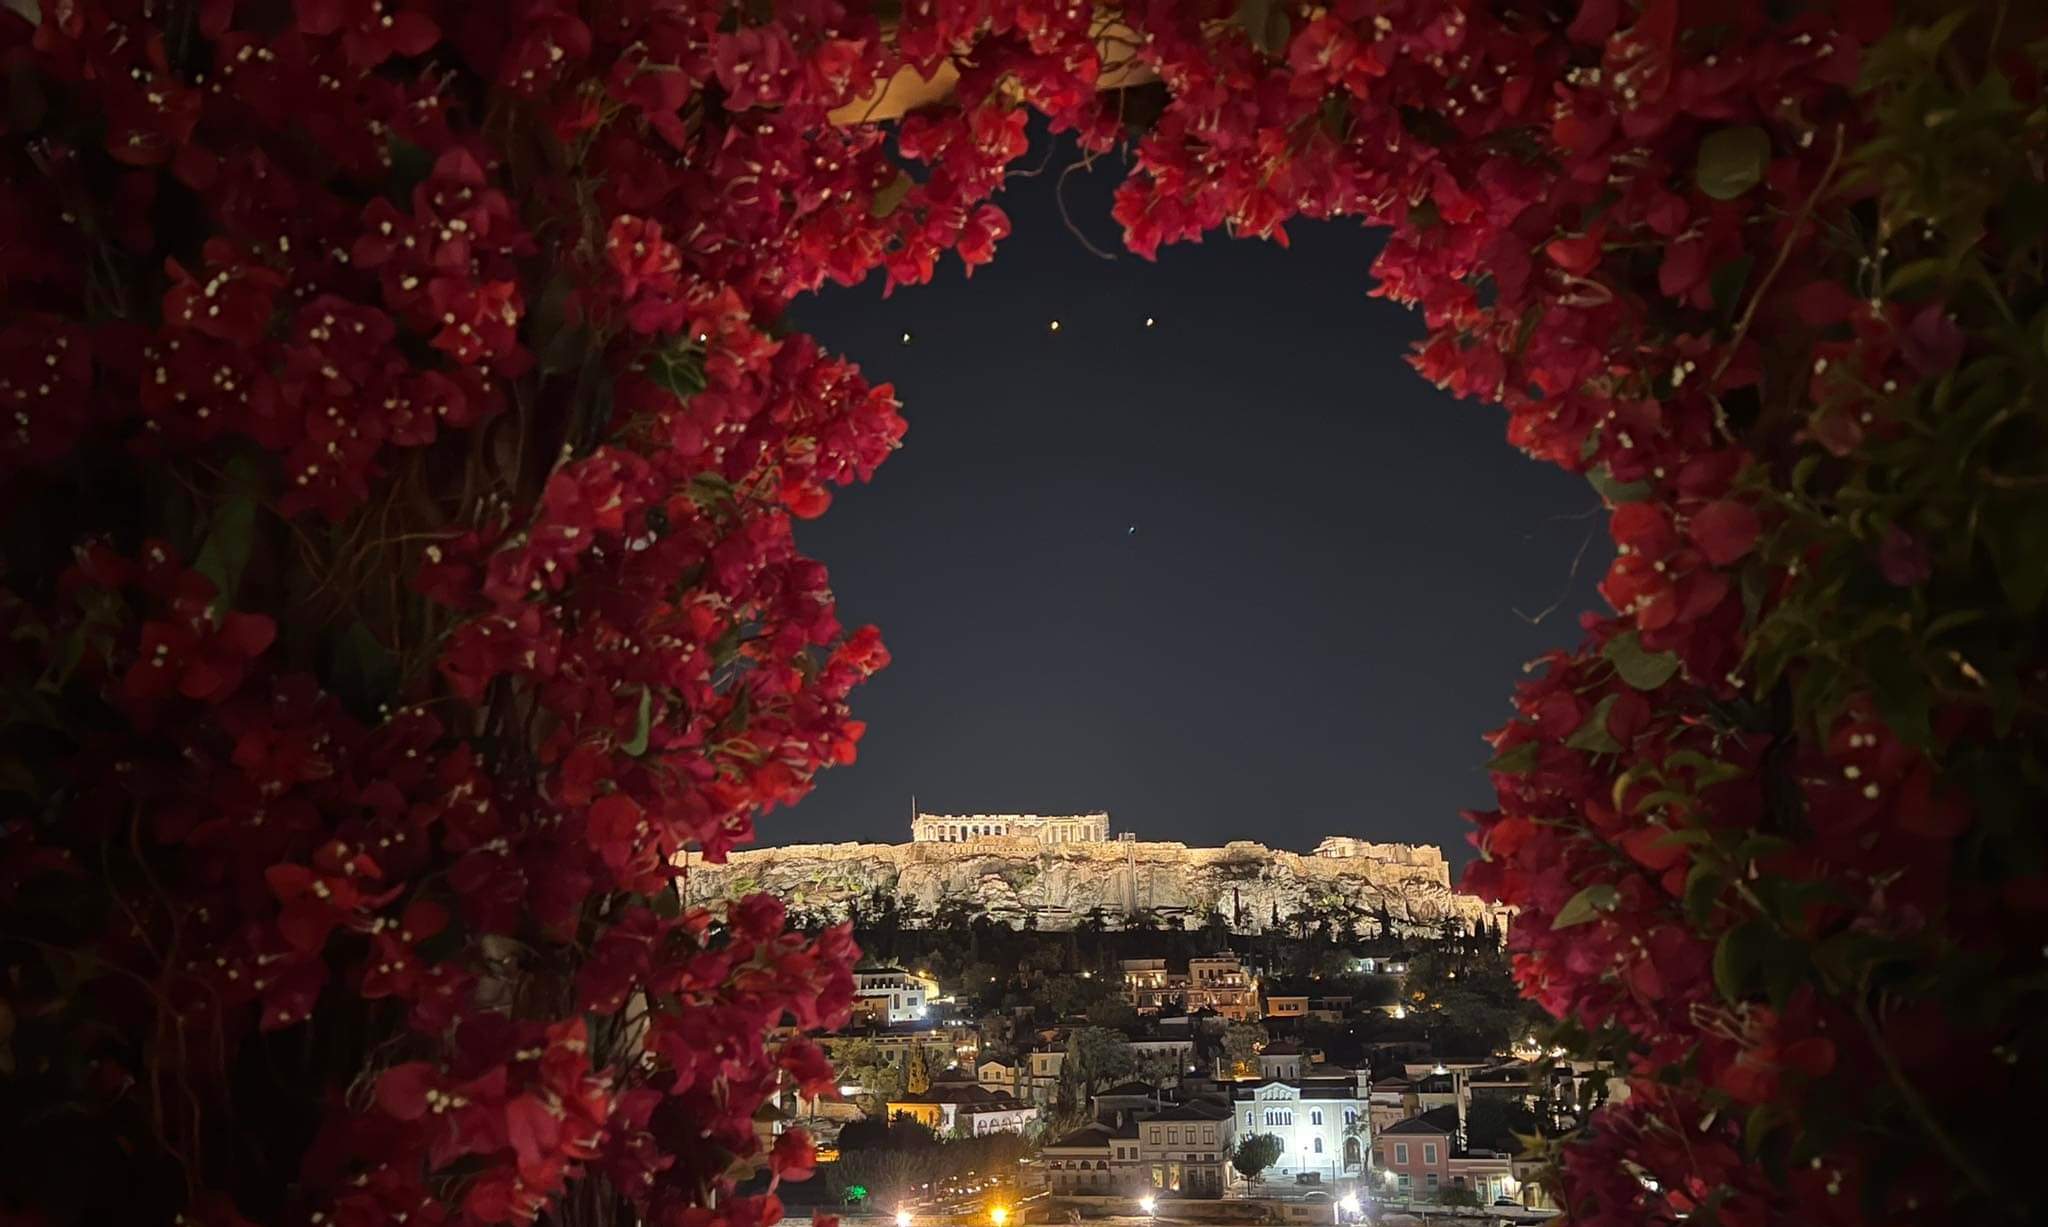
(1756, 1128)
(364, 672)
(1517, 761)
(1265, 24)
(2023, 219)
(230, 533)
(1640, 669)
(709, 490)
(1703, 885)
(679, 369)
(1616, 492)
(1757, 847)
(1592, 734)
(1586, 905)
(1738, 957)
(2017, 534)
(1727, 283)
(889, 197)
(638, 745)
(1732, 161)
(1904, 698)
(410, 165)
(1908, 275)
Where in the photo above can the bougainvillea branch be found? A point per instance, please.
(401, 448)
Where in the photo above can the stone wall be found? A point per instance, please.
(1018, 880)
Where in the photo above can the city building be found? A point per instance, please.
(1329, 1009)
(1042, 1075)
(1488, 1173)
(1218, 983)
(1130, 1100)
(893, 1045)
(1099, 1159)
(1392, 1101)
(1287, 1007)
(998, 1076)
(1046, 829)
(908, 995)
(1415, 1156)
(1176, 1055)
(963, 1109)
(1323, 1122)
(1185, 1149)
(1283, 1059)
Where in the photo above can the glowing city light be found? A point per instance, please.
(903, 1218)
(1148, 1204)
(1349, 1204)
(999, 1215)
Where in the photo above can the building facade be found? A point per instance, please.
(1323, 1124)
(1185, 1149)
(1041, 1077)
(964, 1110)
(1416, 1157)
(903, 996)
(1045, 828)
(1096, 1160)
(1287, 1007)
(1218, 982)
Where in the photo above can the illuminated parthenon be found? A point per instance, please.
(1046, 829)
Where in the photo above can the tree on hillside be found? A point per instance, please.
(1241, 1044)
(917, 1071)
(1096, 1057)
(1467, 999)
(1255, 1154)
(1114, 1013)
(1159, 1069)
(860, 1063)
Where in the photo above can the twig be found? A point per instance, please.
(1570, 575)
(1778, 265)
(1921, 1113)
(1059, 196)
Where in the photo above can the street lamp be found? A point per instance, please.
(903, 1218)
(999, 1215)
(1349, 1203)
(1149, 1204)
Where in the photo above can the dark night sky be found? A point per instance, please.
(1315, 620)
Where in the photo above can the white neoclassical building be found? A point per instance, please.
(1323, 1123)
(1045, 828)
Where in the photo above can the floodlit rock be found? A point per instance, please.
(1025, 882)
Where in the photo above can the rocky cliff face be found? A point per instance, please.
(1023, 882)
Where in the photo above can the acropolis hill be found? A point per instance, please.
(1051, 872)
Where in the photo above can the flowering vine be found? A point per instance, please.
(401, 446)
